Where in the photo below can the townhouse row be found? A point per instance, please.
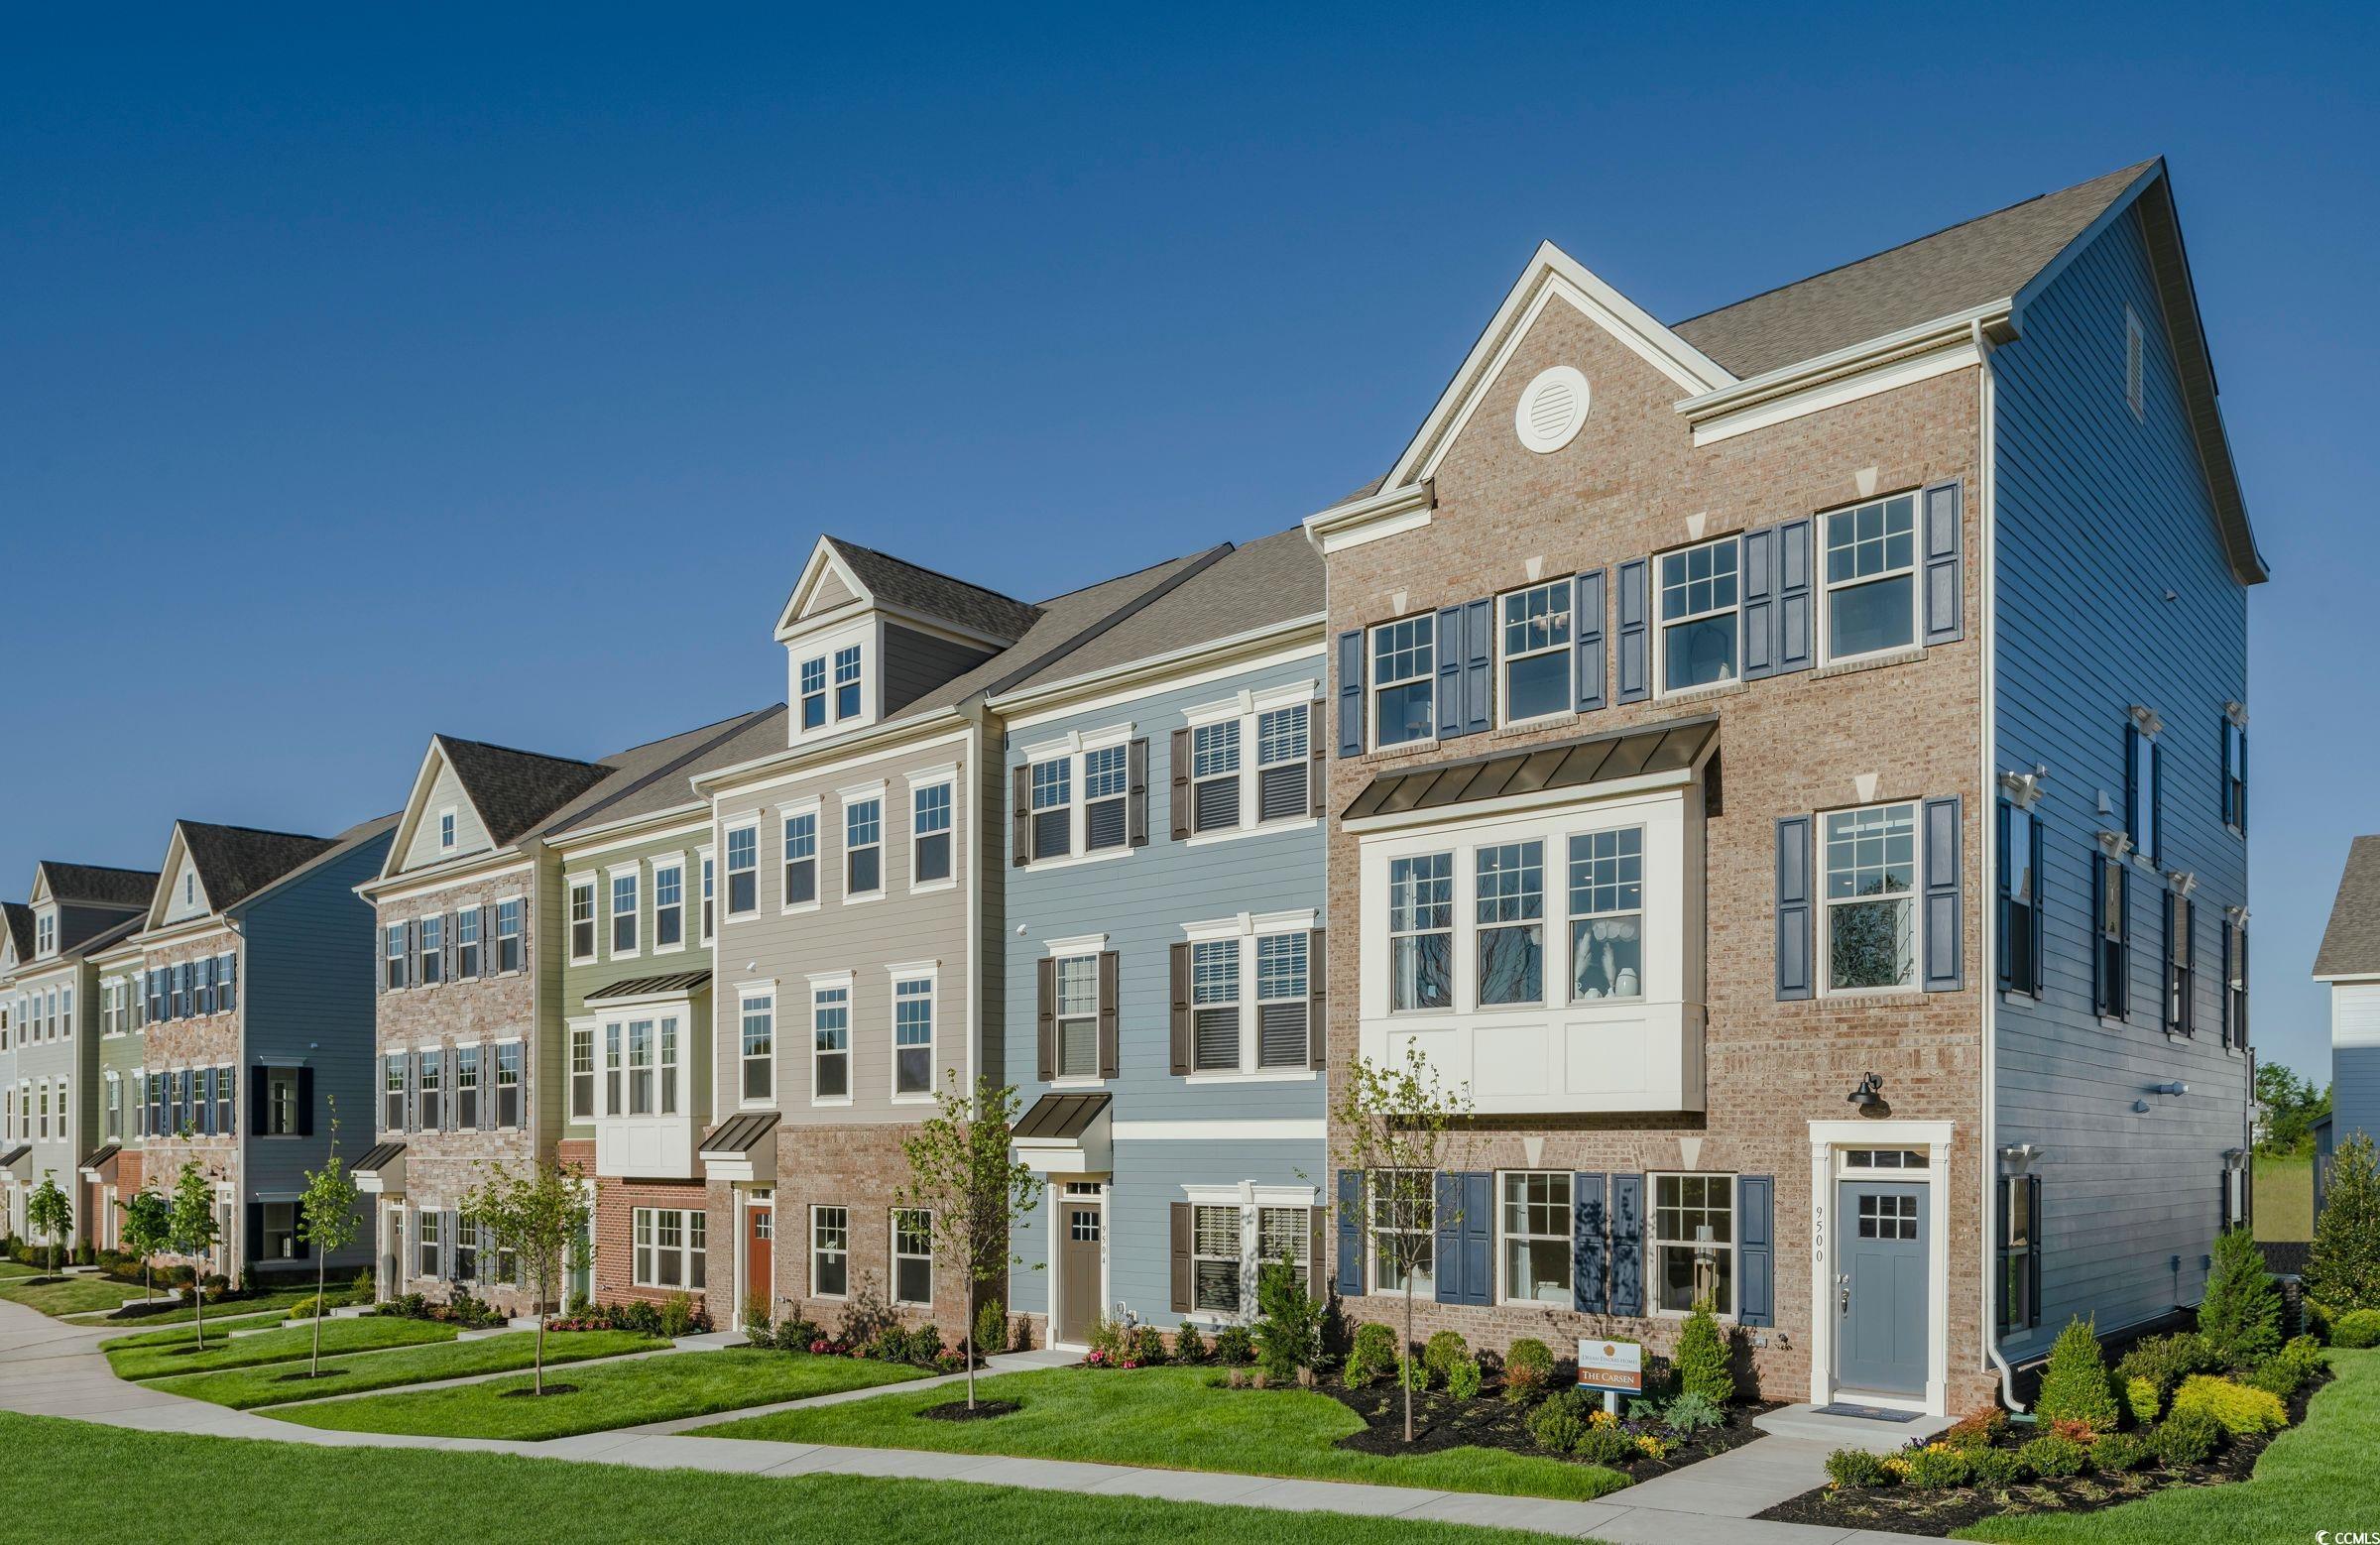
(1787, 767)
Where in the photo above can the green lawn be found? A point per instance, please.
(222, 1351)
(282, 1301)
(2284, 1198)
(626, 1395)
(1172, 1419)
(246, 1388)
(140, 1483)
(179, 1334)
(2317, 1476)
(71, 1296)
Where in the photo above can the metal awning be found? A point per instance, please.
(98, 1159)
(741, 1149)
(1652, 748)
(13, 1161)
(381, 1171)
(678, 984)
(1067, 1134)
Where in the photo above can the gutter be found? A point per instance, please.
(1976, 324)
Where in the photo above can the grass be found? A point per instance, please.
(1172, 1419)
(2284, 1197)
(245, 1390)
(72, 1297)
(625, 1394)
(365, 1335)
(282, 1301)
(140, 1483)
(2317, 1476)
(179, 1334)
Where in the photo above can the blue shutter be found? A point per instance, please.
(1586, 629)
(2222, 769)
(1627, 1244)
(1795, 914)
(1635, 636)
(1946, 549)
(2157, 804)
(1756, 1250)
(1447, 639)
(1944, 945)
(1587, 1243)
(1351, 693)
(1759, 604)
(1479, 1233)
(2001, 893)
(1350, 1233)
(1794, 607)
(2040, 892)
(1447, 1247)
(2165, 966)
(1478, 666)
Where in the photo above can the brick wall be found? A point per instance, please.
(860, 1169)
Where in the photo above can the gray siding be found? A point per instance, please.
(916, 664)
(2354, 1093)
(469, 834)
(2098, 517)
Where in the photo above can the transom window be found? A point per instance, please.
(1106, 793)
(1283, 739)
(1886, 1158)
(1510, 912)
(1694, 1243)
(1870, 903)
(830, 1251)
(668, 906)
(1607, 915)
(759, 1015)
(1215, 1003)
(1077, 1014)
(801, 858)
(582, 919)
(913, 1037)
(1214, 776)
(1871, 577)
(1535, 639)
(1421, 931)
(1537, 1227)
(624, 914)
(1404, 669)
(743, 870)
(912, 1255)
(830, 1042)
(1701, 592)
(929, 834)
(862, 847)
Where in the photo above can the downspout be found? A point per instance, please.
(1988, 589)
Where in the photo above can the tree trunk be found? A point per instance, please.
(199, 1300)
(313, 1365)
(1404, 1362)
(539, 1380)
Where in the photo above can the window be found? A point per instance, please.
(1215, 1259)
(202, 983)
(1700, 593)
(426, 1238)
(45, 933)
(2235, 985)
(1694, 1243)
(1077, 1013)
(1403, 1231)
(1285, 1233)
(1870, 905)
(639, 1067)
(624, 913)
(466, 1247)
(225, 1102)
(2143, 796)
(847, 682)
(1537, 1238)
(1535, 641)
(508, 1084)
(391, 1092)
(1404, 669)
(2114, 927)
(466, 1087)
(760, 1047)
(1282, 1007)
(466, 943)
(2019, 899)
(743, 871)
(1421, 931)
(2235, 775)
(1051, 785)
(1871, 577)
(1283, 776)
(1214, 777)
(115, 1107)
(281, 1102)
(710, 903)
(912, 1255)
(801, 858)
(669, 1067)
(830, 1043)
(613, 1068)
(929, 834)
(582, 919)
(668, 906)
(862, 848)
(1107, 792)
(508, 935)
(1511, 931)
(1886, 1158)
(670, 1247)
(445, 831)
(2020, 1253)
(830, 1251)
(2135, 345)
(813, 692)
(429, 1078)
(583, 1072)
(2181, 973)
(1607, 915)
(1215, 1005)
(913, 1037)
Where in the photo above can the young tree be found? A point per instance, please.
(974, 1195)
(191, 1231)
(147, 1228)
(534, 1218)
(1398, 1127)
(47, 1212)
(2342, 1271)
(2241, 1315)
(327, 1217)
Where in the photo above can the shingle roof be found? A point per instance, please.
(514, 790)
(898, 582)
(2351, 943)
(1273, 579)
(93, 884)
(235, 862)
(1987, 259)
(652, 778)
(20, 927)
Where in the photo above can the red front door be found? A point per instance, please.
(760, 1257)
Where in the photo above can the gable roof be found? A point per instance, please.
(2351, 942)
(516, 791)
(649, 779)
(236, 862)
(19, 919)
(94, 885)
(913, 587)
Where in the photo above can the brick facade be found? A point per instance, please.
(860, 1169)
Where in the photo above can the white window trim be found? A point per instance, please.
(707, 854)
(1089, 946)
(812, 1243)
(1504, 1287)
(1074, 748)
(845, 798)
(570, 1029)
(946, 777)
(683, 1249)
(930, 973)
(1468, 926)
(894, 1257)
(449, 828)
(1249, 1201)
(1247, 928)
(1567, 706)
(1825, 588)
(596, 916)
(1653, 1242)
(633, 870)
(792, 809)
(727, 832)
(1372, 685)
(684, 865)
(746, 992)
(1248, 707)
(412, 966)
(822, 981)
(1916, 897)
(1661, 621)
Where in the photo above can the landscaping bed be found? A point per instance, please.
(1490, 1421)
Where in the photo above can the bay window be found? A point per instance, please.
(1510, 906)
(1607, 915)
(639, 1067)
(1870, 858)
(1535, 1221)
(1693, 1241)
(1870, 591)
(1405, 673)
(1421, 937)
(613, 1068)
(1700, 599)
(1534, 640)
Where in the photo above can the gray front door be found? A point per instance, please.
(1079, 1232)
(1880, 1333)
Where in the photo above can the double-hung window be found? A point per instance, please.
(466, 1087)
(1607, 915)
(583, 1072)
(639, 1067)
(613, 1068)
(391, 1092)
(668, 1064)
(391, 971)
(1214, 777)
(1405, 673)
(2019, 899)
(1281, 1003)
(2020, 1253)
(1286, 1235)
(1694, 1243)
(2235, 985)
(913, 1036)
(929, 834)
(467, 952)
(624, 913)
(508, 935)
(1051, 785)
(669, 904)
(1699, 594)
(2143, 794)
(2236, 775)
(2181, 965)
(830, 1043)
(847, 682)
(1871, 577)
(1511, 923)
(1534, 640)
(912, 1255)
(1870, 899)
(582, 919)
(115, 1107)
(1215, 1005)
(508, 1083)
(1214, 1251)
(1421, 932)
(1405, 1213)
(1283, 776)
(710, 895)
(2113, 930)
(830, 1251)
(743, 870)
(1537, 1228)
(430, 1078)
(1107, 795)
(426, 1238)
(813, 692)
(801, 858)
(864, 848)
(1077, 1016)
(670, 1247)
(759, 1015)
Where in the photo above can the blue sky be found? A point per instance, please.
(428, 370)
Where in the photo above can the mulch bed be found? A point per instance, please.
(528, 1393)
(1440, 1421)
(958, 1410)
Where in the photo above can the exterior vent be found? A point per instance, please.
(1552, 409)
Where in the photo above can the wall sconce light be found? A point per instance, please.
(1869, 1096)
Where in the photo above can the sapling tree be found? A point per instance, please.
(327, 1217)
(973, 1192)
(48, 1213)
(192, 1232)
(533, 1216)
(148, 1228)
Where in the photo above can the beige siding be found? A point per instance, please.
(470, 836)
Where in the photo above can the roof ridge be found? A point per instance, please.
(513, 751)
(253, 831)
(1134, 573)
(895, 558)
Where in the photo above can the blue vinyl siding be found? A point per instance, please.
(2099, 516)
(2354, 1093)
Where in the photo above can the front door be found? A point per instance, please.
(1882, 1335)
(1080, 1231)
(760, 1257)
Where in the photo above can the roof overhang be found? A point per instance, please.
(1067, 1134)
(13, 1161)
(101, 1164)
(381, 1171)
(1156, 667)
(676, 987)
(1617, 763)
(740, 1149)
(873, 738)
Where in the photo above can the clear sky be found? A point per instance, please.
(493, 375)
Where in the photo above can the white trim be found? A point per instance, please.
(1145, 679)
(1391, 512)
(1057, 1276)
(1221, 1130)
(1889, 375)
(1825, 1137)
(1079, 944)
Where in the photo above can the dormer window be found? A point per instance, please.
(45, 933)
(813, 693)
(847, 683)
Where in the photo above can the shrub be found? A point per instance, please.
(991, 1327)
(1412, 1374)
(1937, 1467)
(2076, 1386)
(1373, 1356)
(925, 1344)
(2165, 1361)
(1188, 1345)
(2287, 1370)
(1556, 1428)
(1234, 1347)
(1604, 1443)
(2052, 1456)
(1289, 1334)
(679, 1315)
(2239, 1409)
(1442, 1351)
(1689, 1413)
(2142, 1400)
(1996, 1466)
(1141, 1347)
(2343, 1269)
(1856, 1468)
(2118, 1452)
(796, 1334)
(2315, 1320)
(1462, 1380)
(2185, 1438)
(1977, 1429)
(1528, 1368)
(2356, 1329)
(865, 1313)
(1701, 1359)
(2241, 1315)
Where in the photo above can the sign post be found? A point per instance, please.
(1614, 1367)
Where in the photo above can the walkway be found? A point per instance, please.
(48, 1369)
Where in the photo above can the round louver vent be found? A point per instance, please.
(1551, 410)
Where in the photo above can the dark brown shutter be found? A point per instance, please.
(1109, 963)
(1181, 785)
(484, 1099)
(1317, 1240)
(446, 948)
(1020, 819)
(413, 953)
(1181, 1256)
(1136, 762)
(1318, 1013)
(1315, 775)
(1046, 973)
(1181, 1010)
